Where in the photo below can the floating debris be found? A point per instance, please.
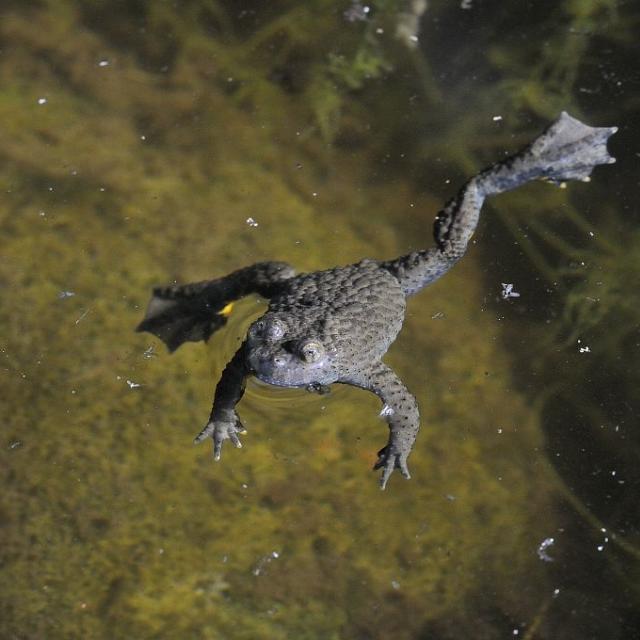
(508, 291)
(601, 547)
(251, 222)
(583, 349)
(357, 12)
(66, 294)
(133, 385)
(263, 562)
(149, 353)
(542, 549)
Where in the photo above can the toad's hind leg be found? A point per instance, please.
(192, 312)
(567, 150)
(400, 410)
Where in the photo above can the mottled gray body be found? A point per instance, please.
(354, 312)
(335, 325)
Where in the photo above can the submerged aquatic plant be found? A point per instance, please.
(604, 301)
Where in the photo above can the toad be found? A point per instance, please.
(335, 326)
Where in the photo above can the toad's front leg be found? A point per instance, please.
(400, 410)
(224, 423)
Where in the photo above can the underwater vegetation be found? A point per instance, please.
(580, 327)
(139, 139)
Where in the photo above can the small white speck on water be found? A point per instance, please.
(42, 214)
(66, 294)
(251, 222)
(103, 63)
(16, 444)
(42, 101)
(395, 584)
(497, 118)
(556, 592)
(542, 549)
(133, 385)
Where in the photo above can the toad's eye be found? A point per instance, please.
(274, 330)
(271, 329)
(311, 351)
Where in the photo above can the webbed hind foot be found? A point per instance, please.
(570, 149)
(566, 150)
(193, 312)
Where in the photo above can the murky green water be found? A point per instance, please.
(146, 142)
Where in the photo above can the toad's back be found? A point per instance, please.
(356, 310)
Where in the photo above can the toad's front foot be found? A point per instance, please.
(390, 458)
(226, 427)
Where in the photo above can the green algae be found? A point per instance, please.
(143, 171)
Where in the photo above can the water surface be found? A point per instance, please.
(151, 142)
